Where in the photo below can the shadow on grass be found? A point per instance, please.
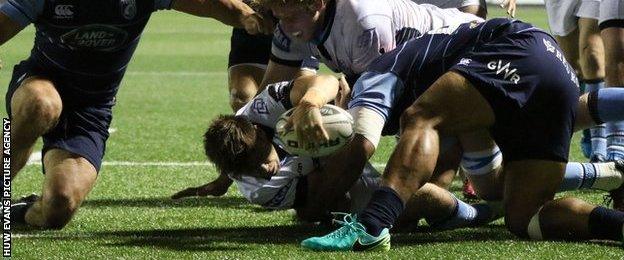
(241, 238)
(226, 202)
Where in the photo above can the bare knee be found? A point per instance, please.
(418, 117)
(37, 101)
(61, 207)
(592, 62)
(239, 96)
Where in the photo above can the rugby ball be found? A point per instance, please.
(337, 122)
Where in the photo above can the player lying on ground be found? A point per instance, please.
(496, 76)
(65, 90)
(244, 150)
(283, 180)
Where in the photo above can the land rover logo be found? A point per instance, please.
(128, 9)
(95, 37)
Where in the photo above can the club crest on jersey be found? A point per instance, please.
(128, 9)
(95, 37)
(464, 61)
(366, 38)
(505, 70)
(260, 106)
(64, 11)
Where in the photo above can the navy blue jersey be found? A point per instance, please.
(84, 37)
(396, 79)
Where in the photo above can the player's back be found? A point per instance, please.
(418, 63)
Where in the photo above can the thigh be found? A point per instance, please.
(569, 45)
(81, 130)
(456, 104)
(528, 185)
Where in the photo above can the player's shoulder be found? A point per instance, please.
(365, 11)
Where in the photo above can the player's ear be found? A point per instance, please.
(318, 5)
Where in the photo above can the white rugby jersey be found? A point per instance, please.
(279, 191)
(355, 32)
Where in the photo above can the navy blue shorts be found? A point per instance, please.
(249, 49)
(83, 124)
(532, 90)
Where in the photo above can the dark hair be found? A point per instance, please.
(230, 142)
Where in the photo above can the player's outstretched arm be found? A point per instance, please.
(230, 12)
(8, 28)
(215, 188)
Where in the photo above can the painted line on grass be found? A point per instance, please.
(167, 164)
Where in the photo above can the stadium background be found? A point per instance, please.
(175, 84)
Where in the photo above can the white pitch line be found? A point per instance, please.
(177, 73)
(168, 164)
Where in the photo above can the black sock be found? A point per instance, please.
(383, 209)
(606, 223)
(18, 212)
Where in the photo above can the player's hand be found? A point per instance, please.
(212, 189)
(344, 93)
(255, 23)
(510, 5)
(307, 122)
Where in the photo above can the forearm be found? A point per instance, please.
(315, 90)
(229, 12)
(343, 170)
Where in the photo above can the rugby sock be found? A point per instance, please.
(607, 105)
(606, 223)
(599, 176)
(464, 215)
(383, 209)
(18, 212)
(597, 133)
(615, 140)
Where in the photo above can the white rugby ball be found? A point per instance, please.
(337, 122)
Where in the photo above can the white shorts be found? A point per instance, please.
(449, 3)
(563, 14)
(611, 11)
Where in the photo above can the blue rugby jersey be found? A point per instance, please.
(83, 37)
(395, 80)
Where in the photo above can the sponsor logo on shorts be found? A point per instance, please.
(550, 47)
(505, 69)
(64, 11)
(95, 37)
(464, 61)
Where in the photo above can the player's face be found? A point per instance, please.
(298, 22)
(267, 162)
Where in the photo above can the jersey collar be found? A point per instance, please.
(323, 33)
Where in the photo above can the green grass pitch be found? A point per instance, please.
(175, 85)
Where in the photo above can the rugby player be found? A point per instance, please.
(65, 90)
(277, 180)
(494, 76)
(244, 149)
(574, 24)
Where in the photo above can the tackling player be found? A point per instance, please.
(65, 90)
(496, 75)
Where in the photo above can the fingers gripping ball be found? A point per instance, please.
(337, 122)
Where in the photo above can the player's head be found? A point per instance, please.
(300, 19)
(238, 147)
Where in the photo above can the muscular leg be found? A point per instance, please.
(244, 82)
(413, 160)
(35, 109)
(613, 38)
(68, 180)
(530, 186)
